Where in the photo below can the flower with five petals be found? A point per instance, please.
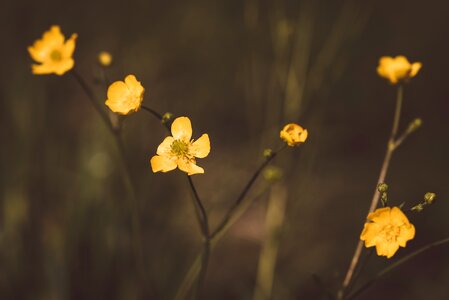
(125, 96)
(387, 229)
(53, 54)
(397, 69)
(179, 150)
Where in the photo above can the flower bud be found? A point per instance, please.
(166, 118)
(267, 153)
(105, 58)
(429, 198)
(382, 187)
(415, 124)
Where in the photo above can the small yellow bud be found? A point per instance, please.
(267, 153)
(418, 207)
(166, 118)
(415, 124)
(293, 134)
(105, 58)
(382, 187)
(429, 198)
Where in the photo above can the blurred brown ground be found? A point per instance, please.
(64, 224)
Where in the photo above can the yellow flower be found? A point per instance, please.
(293, 134)
(105, 58)
(387, 229)
(125, 96)
(397, 69)
(53, 54)
(179, 150)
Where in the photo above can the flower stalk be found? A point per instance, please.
(392, 145)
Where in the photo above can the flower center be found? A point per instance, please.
(56, 55)
(390, 232)
(180, 148)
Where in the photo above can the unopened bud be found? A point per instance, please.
(267, 153)
(429, 198)
(382, 187)
(418, 208)
(105, 58)
(166, 118)
(415, 124)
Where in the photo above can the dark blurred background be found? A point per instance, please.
(240, 70)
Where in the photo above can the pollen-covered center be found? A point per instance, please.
(390, 232)
(56, 55)
(180, 148)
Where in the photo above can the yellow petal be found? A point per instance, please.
(415, 69)
(382, 249)
(54, 36)
(201, 147)
(133, 85)
(64, 66)
(407, 233)
(398, 217)
(189, 167)
(380, 216)
(391, 249)
(370, 234)
(165, 147)
(162, 163)
(118, 90)
(41, 69)
(69, 46)
(303, 136)
(181, 129)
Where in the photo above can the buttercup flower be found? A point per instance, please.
(179, 150)
(397, 69)
(105, 58)
(293, 134)
(125, 96)
(387, 229)
(53, 54)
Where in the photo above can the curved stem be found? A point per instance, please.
(244, 192)
(375, 200)
(204, 223)
(395, 265)
(92, 99)
(126, 174)
(152, 111)
(202, 215)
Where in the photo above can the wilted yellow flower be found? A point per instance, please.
(293, 134)
(125, 96)
(105, 58)
(53, 54)
(397, 69)
(387, 229)
(179, 150)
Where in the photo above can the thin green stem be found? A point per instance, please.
(204, 223)
(376, 196)
(396, 265)
(152, 111)
(92, 99)
(126, 174)
(244, 192)
(202, 215)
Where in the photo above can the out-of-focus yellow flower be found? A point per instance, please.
(53, 54)
(105, 58)
(387, 229)
(179, 150)
(293, 134)
(125, 96)
(397, 69)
